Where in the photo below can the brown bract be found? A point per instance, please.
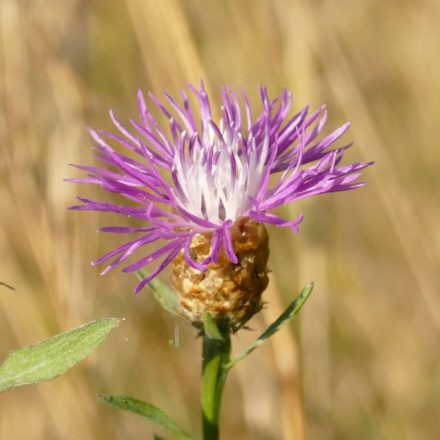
(229, 292)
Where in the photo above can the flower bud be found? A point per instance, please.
(230, 292)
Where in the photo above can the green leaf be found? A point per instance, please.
(210, 327)
(146, 410)
(166, 297)
(52, 357)
(291, 310)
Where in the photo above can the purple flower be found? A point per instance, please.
(202, 175)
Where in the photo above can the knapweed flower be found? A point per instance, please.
(204, 188)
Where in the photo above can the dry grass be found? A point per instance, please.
(365, 362)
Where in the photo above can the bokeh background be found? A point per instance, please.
(362, 360)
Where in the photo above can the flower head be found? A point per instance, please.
(200, 176)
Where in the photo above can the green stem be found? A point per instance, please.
(214, 371)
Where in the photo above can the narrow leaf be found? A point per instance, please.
(291, 310)
(52, 357)
(163, 294)
(146, 410)
(7, 286)
(210, 327)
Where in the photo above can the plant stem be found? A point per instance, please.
(214, 371)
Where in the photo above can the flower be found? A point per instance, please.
(193, 182)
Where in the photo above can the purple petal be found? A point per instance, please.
(170, 257)
(153, 256)
(272, 219)
(190, 261)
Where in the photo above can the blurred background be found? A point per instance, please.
(362, 359)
